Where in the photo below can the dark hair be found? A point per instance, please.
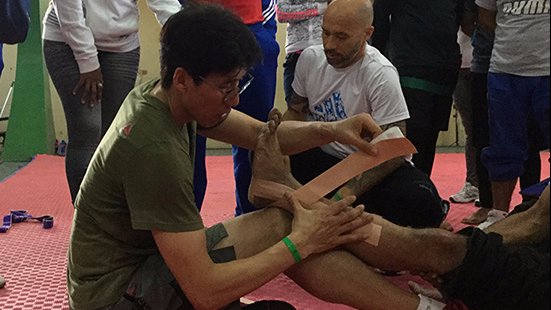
(206, 38)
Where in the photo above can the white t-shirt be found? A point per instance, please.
(370, 85)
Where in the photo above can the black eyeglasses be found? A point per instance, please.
(230, 94)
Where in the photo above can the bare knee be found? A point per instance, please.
(279, 221)
(254, 232)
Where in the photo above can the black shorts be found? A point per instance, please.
(406, 197)
(493, 276)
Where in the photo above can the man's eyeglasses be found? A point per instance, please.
(230, 94)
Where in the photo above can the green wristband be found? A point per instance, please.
(291, 246)
(337, 197)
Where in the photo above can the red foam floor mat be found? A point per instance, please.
(33, 260)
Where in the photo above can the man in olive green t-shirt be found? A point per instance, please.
(137, 236)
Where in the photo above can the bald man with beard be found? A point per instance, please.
(344, 77)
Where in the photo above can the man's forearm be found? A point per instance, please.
(299, 136)
(296, 135)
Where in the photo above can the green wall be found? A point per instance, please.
(30, 127)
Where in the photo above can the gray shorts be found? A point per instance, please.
(153, 286)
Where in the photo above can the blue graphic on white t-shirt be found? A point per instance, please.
(330, 109)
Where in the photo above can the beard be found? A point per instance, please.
(339, 60)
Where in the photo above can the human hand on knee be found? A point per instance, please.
(90, 87)
(319, 227)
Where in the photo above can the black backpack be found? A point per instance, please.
(14, 20)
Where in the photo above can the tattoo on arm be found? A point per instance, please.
(399, 124)
(298, 108)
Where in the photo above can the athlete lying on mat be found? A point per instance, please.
(493, 269)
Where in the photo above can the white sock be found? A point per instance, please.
(427, 303)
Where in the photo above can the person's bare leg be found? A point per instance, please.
(399, 248)
(502, 192)
(427, 250)
(271, 170)
(335, 276)
(477, 216)
(402, 248)
(524, 228)
(528, 227)
(439, 251)
(256, 231)
(340, 277)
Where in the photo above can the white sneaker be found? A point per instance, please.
(494, 216)
(468, 193)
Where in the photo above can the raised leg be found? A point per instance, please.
(340, 277)
(271, 176)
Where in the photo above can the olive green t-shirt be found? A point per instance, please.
(140, 179)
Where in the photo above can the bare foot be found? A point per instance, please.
(271, 170)
(477, 217)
